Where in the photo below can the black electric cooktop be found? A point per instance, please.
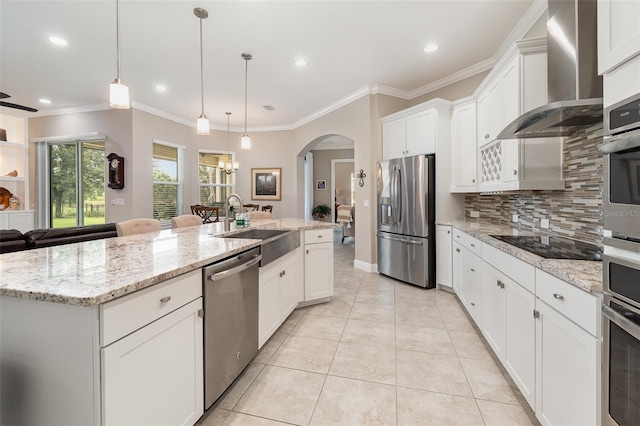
(554, 247)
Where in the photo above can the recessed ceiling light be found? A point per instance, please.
(431, 47)
(59, 41)
(161, 88)
(301, 62)
(44, 101)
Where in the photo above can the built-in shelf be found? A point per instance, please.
(14, 156)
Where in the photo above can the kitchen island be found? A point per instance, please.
(64, 309)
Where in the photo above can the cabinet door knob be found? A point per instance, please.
(448, 232)
(558, 296)
(473, 180)
(515, 172)
(472, 270)
(458, 250)
(473, 245)
(473, 304)
(165, 299)
(486, 136)
(498, 283)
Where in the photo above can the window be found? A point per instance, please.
(167, 181)
(76, 183)
(215, 185)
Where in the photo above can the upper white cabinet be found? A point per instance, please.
(14, 161)
(618, 32)
(425, 129)
(516, 85)
(415, 130)
(464, 151)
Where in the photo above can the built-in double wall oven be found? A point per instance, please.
(621, 262)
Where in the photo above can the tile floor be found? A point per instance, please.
(380, 352)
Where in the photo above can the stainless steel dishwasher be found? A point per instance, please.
(230, 320)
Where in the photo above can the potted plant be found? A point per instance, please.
(321, 211)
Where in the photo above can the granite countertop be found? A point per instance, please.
(94, 272)
(584, 274)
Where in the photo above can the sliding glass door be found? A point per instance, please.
(76, 183)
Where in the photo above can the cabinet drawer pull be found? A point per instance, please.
(558, 296)
(498, 283)
(472, 270)
(473, 304)
(473, 245)
(319, 236)
(165, 299)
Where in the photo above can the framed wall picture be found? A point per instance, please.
(266, 184)
(321, 185)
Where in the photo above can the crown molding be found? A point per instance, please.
(380, 89)
(363, 91)
(454, 78)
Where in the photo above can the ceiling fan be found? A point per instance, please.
(16, 106)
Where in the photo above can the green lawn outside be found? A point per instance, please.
(66, 222)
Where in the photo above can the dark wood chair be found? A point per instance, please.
(268, 208)
(206, 213)
(251, 207)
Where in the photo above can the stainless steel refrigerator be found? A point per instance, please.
(406, 219)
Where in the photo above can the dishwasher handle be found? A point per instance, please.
(220, 275)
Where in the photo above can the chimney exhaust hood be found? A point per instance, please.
(575, 89)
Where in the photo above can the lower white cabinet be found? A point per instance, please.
(567, 371)
(318, 264)
(545, 331)
(456, 267)
(443, 256)
(509, 327)
(278, 295)
(22, 220)
(155, 375)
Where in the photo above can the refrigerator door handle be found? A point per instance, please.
(399, 194)
(410, 242)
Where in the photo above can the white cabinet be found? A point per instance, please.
(618, 32)
(134, 360)
(467, 269)
(489, 119)
(421, 132)
(456, 267)
(278, 294)
(464, 151)
(567, 372)
(394, 137)
(318, 264)
(22, 220)
(151, 362)
(509, 326)
(443, 256)
(416, 130)
(517, 84)
(155, 375)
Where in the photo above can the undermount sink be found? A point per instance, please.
(280, 242)
(257, 234)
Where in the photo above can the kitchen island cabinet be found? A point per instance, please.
(110, 331)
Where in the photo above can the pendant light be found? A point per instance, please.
(118, 91)
(245, 141)
(228, 167)
(202, 124)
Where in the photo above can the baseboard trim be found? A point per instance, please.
(364, 266)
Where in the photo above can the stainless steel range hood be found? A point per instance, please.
(575, 89)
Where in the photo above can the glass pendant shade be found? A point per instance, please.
(221, 164)
(118, 95)
(245, 142)
(202, 125)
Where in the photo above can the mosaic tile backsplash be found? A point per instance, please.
(575, 212)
